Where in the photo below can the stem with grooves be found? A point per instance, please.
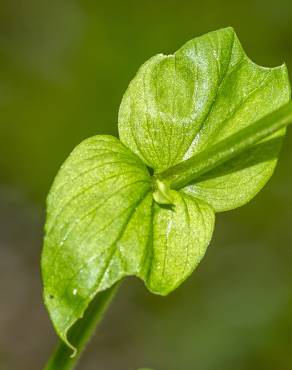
(81, 332)
(187, 171)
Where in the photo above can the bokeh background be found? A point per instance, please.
(64, 65)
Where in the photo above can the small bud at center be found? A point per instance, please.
(162, 194)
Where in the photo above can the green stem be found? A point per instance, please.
(187, 171)
(81, 333)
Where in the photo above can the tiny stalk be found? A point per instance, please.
(162, 193)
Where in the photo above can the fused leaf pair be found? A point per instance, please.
(108, 218)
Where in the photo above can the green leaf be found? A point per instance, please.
(99, 194)
(102, 224)
(178, 105)
(108, 218)
(181, 234)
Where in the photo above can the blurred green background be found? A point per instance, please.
(64, 65)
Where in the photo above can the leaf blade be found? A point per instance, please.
(181, 236)
(177, 106)
(83, 255)
(107, 218)
(78, 257)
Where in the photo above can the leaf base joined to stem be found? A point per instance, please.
(162, 194)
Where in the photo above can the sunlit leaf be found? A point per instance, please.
(108, 218)
(103, 224)
(178, 105)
